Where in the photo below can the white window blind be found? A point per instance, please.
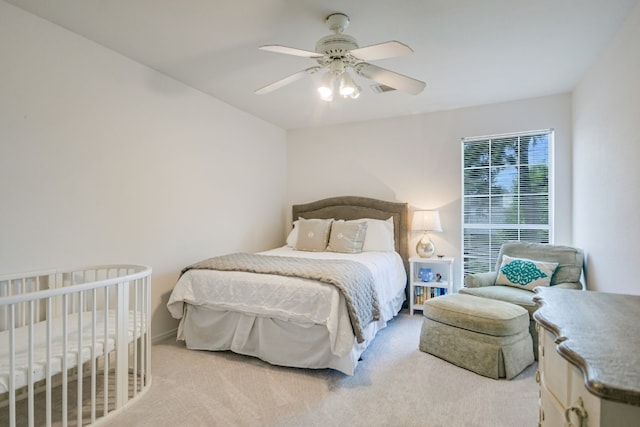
(507, 194)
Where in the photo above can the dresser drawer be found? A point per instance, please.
(551, 412)
(554, 370)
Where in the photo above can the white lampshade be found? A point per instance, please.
(347, 87)
(426, 221)
(326, 87)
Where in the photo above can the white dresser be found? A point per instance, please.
(589, 358)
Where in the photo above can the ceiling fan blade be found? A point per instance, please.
(290, 51)
(390, 78)
(390, 49)
(285, 81)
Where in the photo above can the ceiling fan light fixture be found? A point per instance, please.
(326, 87)
(347, 85)
(356, 93)
(338, 52)
(325, 92)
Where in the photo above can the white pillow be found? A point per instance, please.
(292, 238)
(525, 273)
(379, 237)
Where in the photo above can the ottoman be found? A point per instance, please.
(488, 337)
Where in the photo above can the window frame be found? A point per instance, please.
(488, 258)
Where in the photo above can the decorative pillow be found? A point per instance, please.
(347, 237)
(292, 238)
(525, 273)
(379, 235)
(313, 234)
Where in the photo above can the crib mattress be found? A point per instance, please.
(104, 343)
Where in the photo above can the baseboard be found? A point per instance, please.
(172, 333)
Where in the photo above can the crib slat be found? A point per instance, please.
(136, 289)
(38, 301)
(65, 350)
(22, 290)
(12, 365)
(79, 361)
(142, 340)
(148, 327)
(143, 328)
(48, 365)
(146, 319)
(122, 342)
(93, 355)
(30, 395)
(105, 353)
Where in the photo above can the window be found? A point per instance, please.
(507, 194)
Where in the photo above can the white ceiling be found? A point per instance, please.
(469, 52)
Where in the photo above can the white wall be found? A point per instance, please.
(416, 159)
(104, 160)
(606, 113)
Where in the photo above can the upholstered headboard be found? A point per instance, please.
(354, 207)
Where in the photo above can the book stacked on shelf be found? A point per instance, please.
(438, 292)
(423, 293)
(420, 295)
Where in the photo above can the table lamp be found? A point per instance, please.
(426, 221)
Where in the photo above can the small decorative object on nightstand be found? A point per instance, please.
(424, 282)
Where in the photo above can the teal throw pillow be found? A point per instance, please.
(525, 273)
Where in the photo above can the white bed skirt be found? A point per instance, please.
(278, 342)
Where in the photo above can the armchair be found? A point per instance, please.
(567, 275)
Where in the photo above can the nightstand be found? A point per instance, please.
(423, 286)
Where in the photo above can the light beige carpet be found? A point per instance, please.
(394, 385)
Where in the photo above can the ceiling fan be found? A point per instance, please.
(337, 53)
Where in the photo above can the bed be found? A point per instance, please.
(308, 321)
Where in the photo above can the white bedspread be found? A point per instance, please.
(302, 301)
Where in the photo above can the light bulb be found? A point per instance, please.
(356, 93)
(326, 87)
(347, 87)
(325, 92)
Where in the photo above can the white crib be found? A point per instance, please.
(75, 344)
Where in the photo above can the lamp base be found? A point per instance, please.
(425, 247)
